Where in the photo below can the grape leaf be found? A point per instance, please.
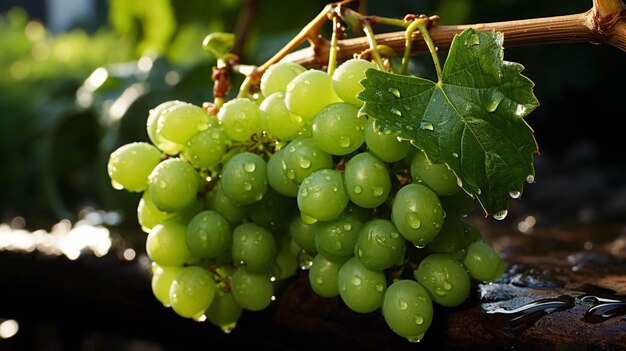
(472, 120)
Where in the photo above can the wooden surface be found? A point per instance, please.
(107, 302)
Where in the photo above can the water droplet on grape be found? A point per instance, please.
(249, 167)
(116, 185)
(338, 245)
(377, 190)
(162, 184)
(319, 279)
(394, 235)
(202, 126)
(395, 92)
(304, 260)
(306, 82)
(455, 155)
(200, 318)
(347, 227)
(440, 292)
(357, 189)
(530, 178)
(403, 304)
(500, 215)
(247, 186)
(396, 112)
(380, 287)
(419, 320)
(427, 126)
(359, 253)
(447, 286)
(515, 194)
(413, 220)
(304, 162)
(344, 141)
(415, 339)
(304, 192)
(228, 328)
(356, 280)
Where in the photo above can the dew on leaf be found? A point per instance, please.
(500, 215)
(396, 112)
(427, 126)
(395, 92)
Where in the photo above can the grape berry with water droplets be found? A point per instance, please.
(299, 183)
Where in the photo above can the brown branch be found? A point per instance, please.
(605, 23)
(244, 22)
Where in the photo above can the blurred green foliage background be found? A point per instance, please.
(68, 99)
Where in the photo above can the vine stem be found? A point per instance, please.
(604, 23)
(421, 25)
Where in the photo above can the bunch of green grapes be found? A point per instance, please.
(297, 180)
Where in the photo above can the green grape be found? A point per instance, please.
(209, 234)
(335, 239)
(254, 247)
(458, 204)
(338, 130)
(309, 92)
(192, 292)
(277, 176)
(445, 279)
(438, 177)
(162, 278)
(322, 195)
(347, 79)
(240, 119)
(384, 145)
(303, 234)
(253, 291)
(277, 120)
(130, 165)
(451, 238)
(379, 245)
(278, 76)
(323, 275)
(483, 262)
(173, 185)
(178, 123)
(224, 311)
(154, 114)
(148, 215)
(206, 149)
(417, 213)
(272, 211)
(286, 265)
(244, 178)
(222, 204)
(360, 288)
(407, 309)
(367, 180)
(166, 244)
(303, 157)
